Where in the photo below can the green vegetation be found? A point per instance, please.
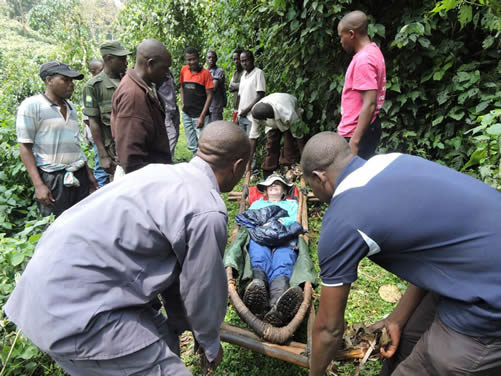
(443, 103)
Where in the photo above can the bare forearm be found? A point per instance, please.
(234, 86)
(410, 300)
(28, 159)
(206, 105)
(328, 328)
(364, 120)
(325, 345)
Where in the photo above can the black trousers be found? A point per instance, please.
(429, 348)
(370, 140)
(65, 197)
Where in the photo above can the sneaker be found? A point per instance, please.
(256, 296)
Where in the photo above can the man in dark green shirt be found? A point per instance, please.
(97, 101)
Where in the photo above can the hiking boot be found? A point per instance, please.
(256, 293)
(278, 286)
(274, 317)
(290, 301)
(284, 300)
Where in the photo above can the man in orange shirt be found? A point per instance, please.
(196, 96)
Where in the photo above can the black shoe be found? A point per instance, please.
(288, 304)
(256, 297)
(286, 307)
(277, 288)
(274, 317)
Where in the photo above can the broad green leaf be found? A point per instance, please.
(489, 41)
(442, 97)
(34, 238)
(475, 158)
(485, 171)
(481, 106)
(437, 120)
(395, 86)
(425, 42)
(29, 353)
(465, 15)
(494, 130)
(16, 259)
(456, 114)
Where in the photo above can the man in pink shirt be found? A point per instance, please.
(364, 86)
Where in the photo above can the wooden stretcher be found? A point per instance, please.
(264, 338)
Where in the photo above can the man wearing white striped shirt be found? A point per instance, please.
(48, 136)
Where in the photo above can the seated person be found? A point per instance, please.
(272, 266)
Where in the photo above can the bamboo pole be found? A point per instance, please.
(246, 339)
(293, 352)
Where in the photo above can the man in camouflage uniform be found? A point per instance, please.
(97, 101)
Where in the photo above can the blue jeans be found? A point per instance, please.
(245, 124)
(101, 176)
(191, 131)
(275, 263)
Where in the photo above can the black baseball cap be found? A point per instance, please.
(55, 67)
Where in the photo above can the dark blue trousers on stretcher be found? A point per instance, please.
(274, 262)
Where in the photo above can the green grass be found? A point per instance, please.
(364, 305)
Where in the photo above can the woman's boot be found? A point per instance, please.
(256, 293)
(284, 300)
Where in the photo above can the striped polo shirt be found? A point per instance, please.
(55, 139)
(430, 225)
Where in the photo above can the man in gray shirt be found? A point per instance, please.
(85, 296)
(219, 98)
(167, 91)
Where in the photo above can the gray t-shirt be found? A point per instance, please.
(167, 90)
(218, 102)
(86, 292)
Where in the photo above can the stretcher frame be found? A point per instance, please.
(272, 341)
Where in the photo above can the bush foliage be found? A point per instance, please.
(443, 62)
(443, 94)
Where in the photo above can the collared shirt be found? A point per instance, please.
(56, 140)
(428, 224)
(250, 83)
(286, 111)
(195, 86)
(97, 95)
(85, 293)
(137, 124)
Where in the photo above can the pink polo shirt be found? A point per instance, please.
(367, 71)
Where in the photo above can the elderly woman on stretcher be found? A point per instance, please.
(271, 222)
